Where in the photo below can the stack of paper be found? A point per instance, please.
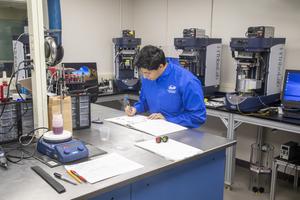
(104, 167)
(156, 127)
(171, 150)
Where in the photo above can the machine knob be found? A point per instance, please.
(80, 148)
(67, 151)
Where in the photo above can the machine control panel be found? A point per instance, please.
(65, 151)
(70, 151)
(288, 151)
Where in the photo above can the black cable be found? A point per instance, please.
(22, 99)
(8, 89)
(17, 159)
(9, 84)
(14, 158)
(17, 77)
(262, 103)
(15, 48)
(32, 136)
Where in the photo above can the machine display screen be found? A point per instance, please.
(292, 86)
(88, 70)
(78, 71)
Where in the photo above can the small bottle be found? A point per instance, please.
(4, 87)
(57, 124)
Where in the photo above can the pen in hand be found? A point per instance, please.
(126, 102)
(130, 111)
(59, 176)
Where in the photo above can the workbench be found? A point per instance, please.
(198, 177)
(233, 120)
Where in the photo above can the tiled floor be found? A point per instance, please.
(284, 190)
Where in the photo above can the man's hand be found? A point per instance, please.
(156, 116)
(130, 111)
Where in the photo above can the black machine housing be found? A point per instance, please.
(202, 57)
(288, 151)
(125, 50)
(259, 66)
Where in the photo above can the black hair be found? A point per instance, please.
(150, 57)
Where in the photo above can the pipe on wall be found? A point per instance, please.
(54, 15)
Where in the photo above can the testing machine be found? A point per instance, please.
(201, 56)
(125, 50)
(259, 62)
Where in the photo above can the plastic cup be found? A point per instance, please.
(104, 133)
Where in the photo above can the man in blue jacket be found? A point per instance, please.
(168, 90)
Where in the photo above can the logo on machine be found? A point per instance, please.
(172, 89)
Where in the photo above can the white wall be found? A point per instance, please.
(179, 13)
(232, 17)
(158, 22)
(150, 21)
(88, 27)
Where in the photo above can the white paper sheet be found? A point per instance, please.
(171, 150)
(156, 127)
(127, 120)
(104, 167)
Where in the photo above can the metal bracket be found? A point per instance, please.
(225, 122)
(237, 124)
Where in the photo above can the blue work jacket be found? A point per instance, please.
(176, 94)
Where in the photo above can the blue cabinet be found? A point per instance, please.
(199, 179)
(118, 194)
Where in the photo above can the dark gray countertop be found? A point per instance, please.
(20, 182)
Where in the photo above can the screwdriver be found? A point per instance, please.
(59, 176)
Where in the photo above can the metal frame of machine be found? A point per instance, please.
(259, 67)
(201, 56)
(124, 51)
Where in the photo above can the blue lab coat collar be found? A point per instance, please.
(166, 73)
